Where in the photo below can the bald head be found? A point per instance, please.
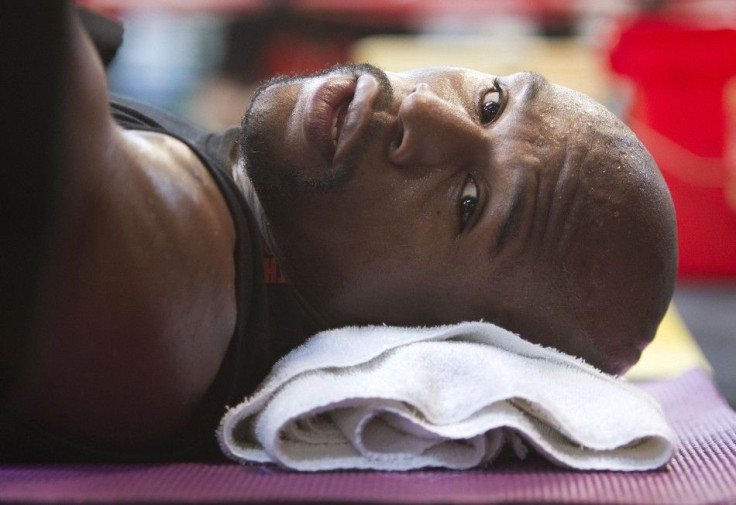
(622, 257)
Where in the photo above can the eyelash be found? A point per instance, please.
(494, 107)
(468, 202)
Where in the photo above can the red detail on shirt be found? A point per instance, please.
(271, 271)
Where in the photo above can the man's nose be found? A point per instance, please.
(434, 131)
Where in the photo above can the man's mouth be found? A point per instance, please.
(323, 121)
(337, 114)
(338, 120)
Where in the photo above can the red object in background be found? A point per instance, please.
(681, 72)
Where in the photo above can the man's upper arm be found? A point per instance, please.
(137, 301)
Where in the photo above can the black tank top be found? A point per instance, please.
(251, 328)
(249, 356)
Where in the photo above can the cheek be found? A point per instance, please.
(390, 292)
(324, 246)
(362, 250)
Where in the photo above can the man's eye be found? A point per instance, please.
(490, 105)
(468, 201)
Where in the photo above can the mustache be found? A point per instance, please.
(260, 160)
(353, 69)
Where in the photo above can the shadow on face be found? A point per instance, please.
(443, 195)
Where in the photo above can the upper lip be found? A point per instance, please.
(346, 103)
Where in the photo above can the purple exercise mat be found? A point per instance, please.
(703, 471)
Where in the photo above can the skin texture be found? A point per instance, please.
(572, 243)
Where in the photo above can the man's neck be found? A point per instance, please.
(272, 271)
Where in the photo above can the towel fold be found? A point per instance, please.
(389, 398)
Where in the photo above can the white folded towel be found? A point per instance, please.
(389, 398)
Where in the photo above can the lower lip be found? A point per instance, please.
(320, 109)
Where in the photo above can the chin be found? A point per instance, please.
(623, 363)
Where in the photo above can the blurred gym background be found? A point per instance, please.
(667, 67)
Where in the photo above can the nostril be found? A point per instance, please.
(422, 86)
(400, 150)
(399, 136)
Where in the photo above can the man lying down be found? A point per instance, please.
(423, 198)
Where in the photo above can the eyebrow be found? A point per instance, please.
(511, 218)
(534, 86)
